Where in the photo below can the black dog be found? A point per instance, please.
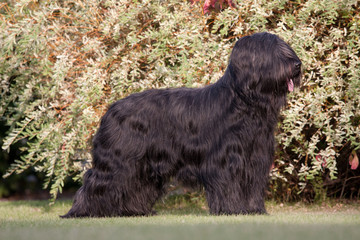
(221, 136)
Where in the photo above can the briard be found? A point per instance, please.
(220, 136)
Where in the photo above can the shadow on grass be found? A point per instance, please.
(185, 204)
(191, 203)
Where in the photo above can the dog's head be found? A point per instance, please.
(264, 63)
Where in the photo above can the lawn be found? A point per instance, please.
(36, 220)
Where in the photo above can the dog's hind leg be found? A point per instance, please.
(138, 186)
(93, 198)
(120, 195)
(139, 196)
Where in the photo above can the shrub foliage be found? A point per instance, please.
(63, 62)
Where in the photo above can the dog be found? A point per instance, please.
(220, 136)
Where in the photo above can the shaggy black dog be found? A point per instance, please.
(221, 136)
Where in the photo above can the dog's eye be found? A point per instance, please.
(297, 70)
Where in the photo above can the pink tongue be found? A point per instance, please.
(290, 84)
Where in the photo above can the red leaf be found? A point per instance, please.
(207, 5)
(353, 160)
(211, 3)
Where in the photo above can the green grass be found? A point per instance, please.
(36, 220)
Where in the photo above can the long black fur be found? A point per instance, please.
(221, 136)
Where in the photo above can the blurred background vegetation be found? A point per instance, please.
(63, 62)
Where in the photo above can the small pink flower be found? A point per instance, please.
(319, 158)
(353, 160)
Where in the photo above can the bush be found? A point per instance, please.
(63, 62)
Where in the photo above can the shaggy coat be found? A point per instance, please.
(221, 136)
